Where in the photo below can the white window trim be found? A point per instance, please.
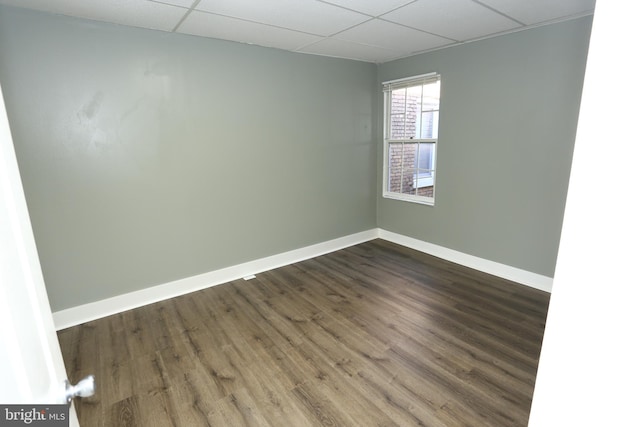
(388, 86)
(422, 181)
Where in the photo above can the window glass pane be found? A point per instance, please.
(423, 179)
(431, 94)
(403, 166)
(395, 168)
(429, 124)
(414, 112)
(412, 127)
(398, 114)
(408, 182)
(429, 110)
(425, 157)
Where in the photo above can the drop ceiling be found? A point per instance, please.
(365, 30)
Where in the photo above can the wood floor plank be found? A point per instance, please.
(156, 410)
(371, 335)
(193, 397)
(124, 413)
(319, 407)
(266, 328)
(237, 409)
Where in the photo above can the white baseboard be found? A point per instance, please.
(84, 313)
(106, 307)
(514, 274)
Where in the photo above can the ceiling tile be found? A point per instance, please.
(137, 13)
(367, 30)
(181, 3)
(455, 19)
(310, 16)
(346, 49)
(370, 7)
(392, 36)
(533, 12)
(222, 27)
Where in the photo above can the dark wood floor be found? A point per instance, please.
(372, 335)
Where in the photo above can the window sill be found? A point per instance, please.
(422, 181)
(429, 201)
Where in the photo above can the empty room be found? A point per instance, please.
(289, 213)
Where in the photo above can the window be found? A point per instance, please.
(411, 110)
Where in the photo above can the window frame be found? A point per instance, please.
(388, 87)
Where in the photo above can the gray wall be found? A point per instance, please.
(148, 157)
(508, 117)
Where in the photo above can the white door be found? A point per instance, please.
(31, 366)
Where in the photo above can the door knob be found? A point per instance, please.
(86, 387)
